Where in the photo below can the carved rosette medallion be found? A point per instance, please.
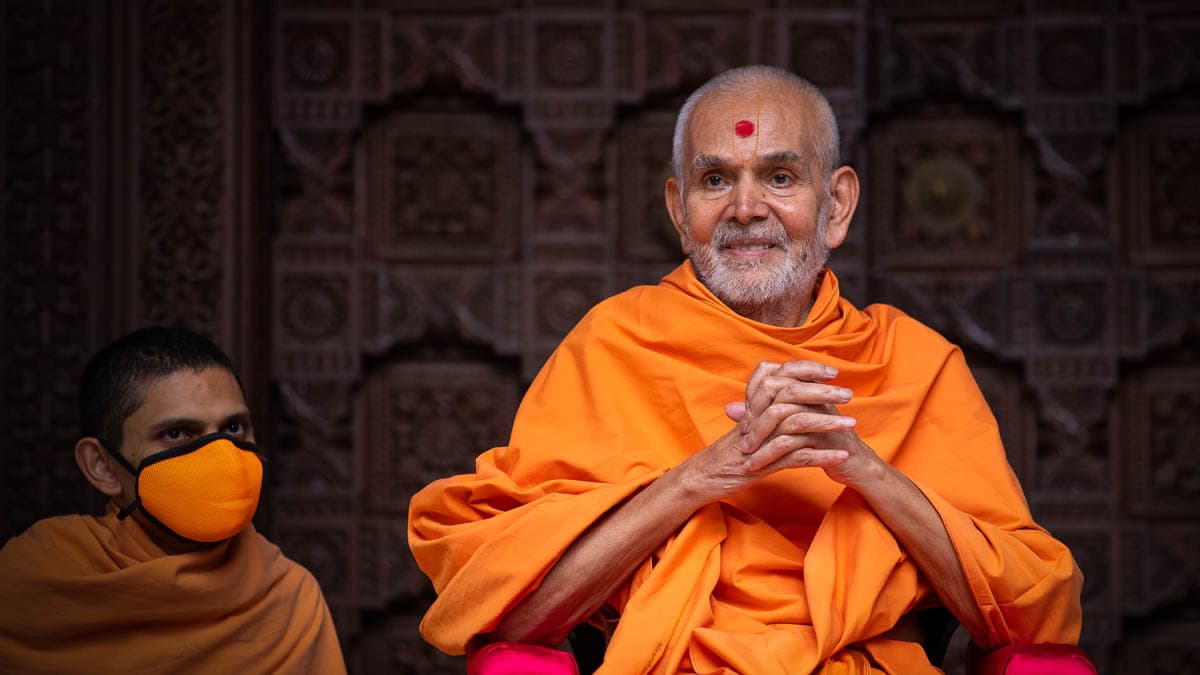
(947, 194)
(434, 187)
(1071, 60)
(825, 54)
(429, 421)
(569, 56)
(316, 55)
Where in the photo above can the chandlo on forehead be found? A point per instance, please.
(744, 128)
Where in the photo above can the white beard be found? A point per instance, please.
(762, 289)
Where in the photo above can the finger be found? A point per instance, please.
(811, 393)
(809, 371)
(764, 393)
(775, 448)
(762, 370)
(814, 422)
(759, 428)
(782, 444)
(807, 457)
(792, 418)
(735, 411)
(802, 379)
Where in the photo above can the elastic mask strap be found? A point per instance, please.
(137, 501)
(119, 457)
(124, 513)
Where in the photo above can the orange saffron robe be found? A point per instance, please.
(794, 574)
(80, 594)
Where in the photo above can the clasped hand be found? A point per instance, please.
(788, 420)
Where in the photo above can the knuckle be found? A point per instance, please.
(796, 424)
(801, 458)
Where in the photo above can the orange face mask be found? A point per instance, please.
(203, 491)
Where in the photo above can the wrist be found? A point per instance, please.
(687, 486)
(873, 476)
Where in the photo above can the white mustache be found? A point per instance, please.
(732, 233)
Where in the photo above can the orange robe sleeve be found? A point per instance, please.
(793, 574)
(82, 594)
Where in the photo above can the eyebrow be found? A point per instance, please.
(783, 157)
(705, 162)
(243, 417)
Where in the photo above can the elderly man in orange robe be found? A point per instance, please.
(862, 476)
(173, 578)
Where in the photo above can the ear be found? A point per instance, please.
(97, 466)
(675, 209)
(843, 190)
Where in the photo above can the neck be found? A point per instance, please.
(786, 315)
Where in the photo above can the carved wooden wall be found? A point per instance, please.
(390, 212)
(126, 165)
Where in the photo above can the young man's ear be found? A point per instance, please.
(97, 466)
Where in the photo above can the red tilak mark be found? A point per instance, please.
(743, 128)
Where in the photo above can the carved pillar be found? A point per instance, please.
(186, 118)
(52, 216)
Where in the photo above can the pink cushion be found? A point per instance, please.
(1031, 660)
(514, 658)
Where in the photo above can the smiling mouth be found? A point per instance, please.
(748, 249)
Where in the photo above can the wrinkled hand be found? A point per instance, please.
(790, 406)
(788, 420)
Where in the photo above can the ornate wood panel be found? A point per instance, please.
(440, 191)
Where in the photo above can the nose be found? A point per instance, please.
(747, 203)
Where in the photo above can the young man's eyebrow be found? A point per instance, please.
(171, 422)
(242, 418)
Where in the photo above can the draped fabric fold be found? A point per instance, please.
(97, 595)
(795, 573)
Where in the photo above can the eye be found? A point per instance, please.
(781, 179)
(175, 434)
(234, 428)
(713, 181)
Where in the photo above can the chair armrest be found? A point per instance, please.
(1051, 659)
(515, 658)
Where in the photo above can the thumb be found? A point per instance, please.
(736, 410)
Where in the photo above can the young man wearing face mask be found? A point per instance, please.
(173, 577)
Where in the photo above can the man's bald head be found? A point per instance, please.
(745, 80)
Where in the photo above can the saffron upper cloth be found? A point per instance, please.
(82, 594)
(795, 573)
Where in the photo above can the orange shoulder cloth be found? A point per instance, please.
(85, 594)
(795, 571)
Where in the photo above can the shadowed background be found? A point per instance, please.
(390, 212)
